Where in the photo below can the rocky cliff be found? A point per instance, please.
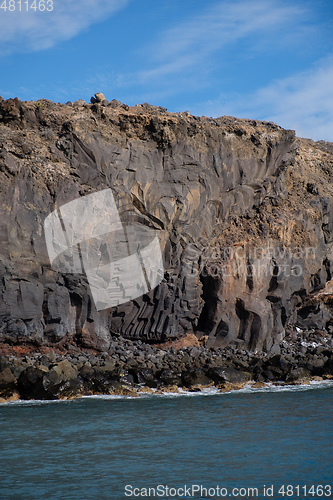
(242, 210)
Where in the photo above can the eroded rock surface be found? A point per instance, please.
(243, 210)
(133, 367)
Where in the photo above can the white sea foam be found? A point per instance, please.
(34, 402)
(248, 389)
(207, 391)
(270, 387)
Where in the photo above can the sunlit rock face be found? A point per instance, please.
(236, 216)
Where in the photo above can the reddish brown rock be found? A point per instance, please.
(243, 210)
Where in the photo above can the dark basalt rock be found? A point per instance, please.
(30, 384)
(298, 374)
(170, 377)
(144, 376)
(195, 377)
(7, 383)
(230, 375)
(232, 201)
(64, 375)
(62, 380)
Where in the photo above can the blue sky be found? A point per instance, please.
(263, 59)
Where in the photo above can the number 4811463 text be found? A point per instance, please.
(24, 6)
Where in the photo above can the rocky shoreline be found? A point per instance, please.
(242, 210)
(133, 367)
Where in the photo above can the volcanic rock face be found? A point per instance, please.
(242, 208)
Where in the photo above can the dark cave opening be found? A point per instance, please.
(249, 324)
(243, 315)
(222, 330)
(210, 286)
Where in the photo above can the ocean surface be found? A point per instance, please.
(245, 444)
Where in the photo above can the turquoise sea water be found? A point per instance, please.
(92, 448)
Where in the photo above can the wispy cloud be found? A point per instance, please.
(302, 102)
(193, 53)
(192, 43)
(36, 30)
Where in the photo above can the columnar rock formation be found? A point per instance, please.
(242, 208)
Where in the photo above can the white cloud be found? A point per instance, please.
(36, 30)
(194, 42)
(302, 102)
